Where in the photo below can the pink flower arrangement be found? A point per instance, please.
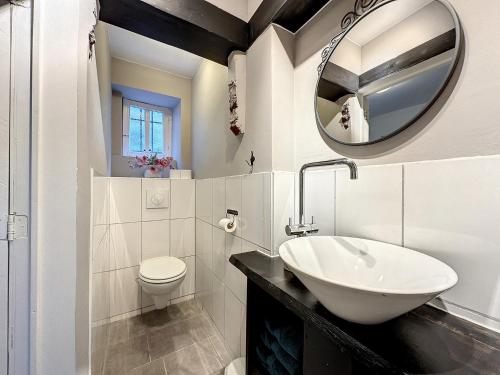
(152, 162)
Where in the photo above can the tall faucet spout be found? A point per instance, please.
(353, 170)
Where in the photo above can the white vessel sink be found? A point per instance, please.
(365, 281)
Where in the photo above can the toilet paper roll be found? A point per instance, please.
(227, 226)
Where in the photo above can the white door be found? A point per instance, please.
(15, 109)
(4, 179)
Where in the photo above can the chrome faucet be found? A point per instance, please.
(303, 229)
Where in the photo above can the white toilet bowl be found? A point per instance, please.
(161, 276)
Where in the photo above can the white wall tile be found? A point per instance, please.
(233, 198)
(208, 303)
(199, 279)
(100, 200)
(233, 320)
(125, 245)
(370, 207)
(125, 200)
(163, 184)
(100, 296)
(233, 245)
(283, 206)
(452, 212)
(125, 291)
(319, 192)
(182, 237)
(204, 200)
(218, 199)
(183, 199)
(155, 239)
(256, 209)
(204, 242)
(100, 249)
(219, 292)
(188, 285)
(219, 253)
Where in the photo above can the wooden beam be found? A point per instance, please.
(341, 76)
(290, 14)
(423, 52)
(193, 25)
(331, 91)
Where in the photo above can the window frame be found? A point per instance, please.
(167, 128)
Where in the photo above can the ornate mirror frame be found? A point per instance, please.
(363, 8)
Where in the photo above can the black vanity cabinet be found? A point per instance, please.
(290, 333)
(315, 354)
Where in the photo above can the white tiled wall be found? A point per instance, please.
(126, 232)
(264, 202)
(371, 206)
(449, 209)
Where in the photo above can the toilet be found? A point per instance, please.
(161, 276)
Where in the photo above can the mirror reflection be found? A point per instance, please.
(386, 71)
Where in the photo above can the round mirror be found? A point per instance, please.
(386, 69)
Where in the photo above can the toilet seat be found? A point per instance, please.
(162, 270)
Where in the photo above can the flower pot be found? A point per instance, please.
(152, 171)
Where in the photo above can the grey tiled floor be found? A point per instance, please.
(179, 340)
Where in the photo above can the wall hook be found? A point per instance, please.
(251, 162)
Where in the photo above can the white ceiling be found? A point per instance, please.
(138, 49)
(243, 9)
(384, 19)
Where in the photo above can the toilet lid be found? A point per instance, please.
(162, 268)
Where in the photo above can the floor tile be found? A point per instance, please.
(199, 327)
(126, 356)
(197, 359)
(140, 345)
(158, 319)
(220, 349)
(154, 368)
(169, 339)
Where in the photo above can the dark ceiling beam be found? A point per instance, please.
(290, 14)
(193, 25)
(202, 28)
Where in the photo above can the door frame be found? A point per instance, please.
(19, 200)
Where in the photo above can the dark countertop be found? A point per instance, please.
(423, 341)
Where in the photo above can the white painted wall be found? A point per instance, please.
(145, 78)
(64, 127)
(55, 126)
(451, 129)
(269, 123)
(103, 61)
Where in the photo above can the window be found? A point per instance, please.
(147, 129)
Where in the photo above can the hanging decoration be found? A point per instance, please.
(237, 92)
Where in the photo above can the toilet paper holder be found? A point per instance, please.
(233, 214)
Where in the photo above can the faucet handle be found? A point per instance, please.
(312, 219)
(290, 221)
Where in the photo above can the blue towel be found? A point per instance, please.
(287, 336)
(270, 362)
(286, 360)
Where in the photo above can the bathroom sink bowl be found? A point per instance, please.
(363, 281)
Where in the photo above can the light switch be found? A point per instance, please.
(157, 198)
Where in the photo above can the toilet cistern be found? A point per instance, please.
(303, 228)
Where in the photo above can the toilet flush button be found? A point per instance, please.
(157, 198)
